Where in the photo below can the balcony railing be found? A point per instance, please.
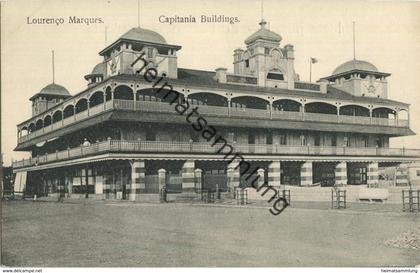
(122, 146)
(160, 107)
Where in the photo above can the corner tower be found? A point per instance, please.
(265, 59)
(360, 78)
(121, 57)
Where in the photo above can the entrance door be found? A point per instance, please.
(210, 181)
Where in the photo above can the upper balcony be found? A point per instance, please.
(294, 106)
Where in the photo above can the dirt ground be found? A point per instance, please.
(167, 235)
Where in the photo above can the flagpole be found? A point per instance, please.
(310, 69)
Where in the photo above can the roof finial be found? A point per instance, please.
(138, 13)
(263, 22)
(53, 72)
(354, 40)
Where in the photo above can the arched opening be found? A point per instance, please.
(249, 102)
(96, 99)
(47, 121)
(38, 124)
(286, 105)
(108, 94)
(320, 108)
(31, 128)
(57, 116)
(81, 105)
(383, 112)
(123, 92)
(68, 111)
(163, 96)
(354, 110)
(275, 74)
(209, 99)
(403, 114)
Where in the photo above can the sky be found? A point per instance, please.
(387, 35)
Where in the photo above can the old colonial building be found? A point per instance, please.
(122, 137)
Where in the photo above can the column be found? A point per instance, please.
(69, 185)
(233, 175)
(341, 173)
(401, 175)
(188, 183)
(198, 173)
(161, 179)
(274, 173)
(138, 173)
(372, 173)
(306, 173)
(261, 175)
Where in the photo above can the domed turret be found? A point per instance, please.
(49, 96)
(97, 74)
(145, 35)
(355, 65)
(360, 78)
(123, 56)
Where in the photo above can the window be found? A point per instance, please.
(247, 63)
(266, 51)
(269, 138)
(365, 141)
(303, 140)
(317, 140)
(334, 140)
(346, 142)
(275, 76)
(283, 139)
(418, 172)
(251, 138)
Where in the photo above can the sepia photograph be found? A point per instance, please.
(239, 134)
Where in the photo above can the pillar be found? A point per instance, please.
(261, 175)
(341, 173)
(188, 178)
(233, 175)
(274, 174)
(306, 174)
(372, 173)
(161, 178)
(198, 173)
(401, 175)
(138, 173)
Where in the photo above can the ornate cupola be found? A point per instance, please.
(49, 96)
(122, 56)
(360, 78)
(264, 59)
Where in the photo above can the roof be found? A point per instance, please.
(99, 69)
(53, 89)
(263, 34)
(206, 79)
(141, 36)
(145, 35)
(355, 65)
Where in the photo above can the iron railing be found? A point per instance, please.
(125, 146)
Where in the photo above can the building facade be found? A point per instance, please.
(130, 132)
